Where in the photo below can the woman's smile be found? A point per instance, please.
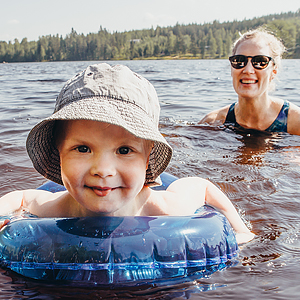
(248, 81)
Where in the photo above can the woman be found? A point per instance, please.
(256, 57)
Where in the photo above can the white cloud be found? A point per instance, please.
(13, 22)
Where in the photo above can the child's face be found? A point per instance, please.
(103, 166)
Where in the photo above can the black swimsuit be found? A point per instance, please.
(279, 125)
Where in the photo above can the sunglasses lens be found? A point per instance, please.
(238, 61)
(260, 61)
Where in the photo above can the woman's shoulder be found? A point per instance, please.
(293, 124)
(290, 111)
(293, 107)
(216, 117)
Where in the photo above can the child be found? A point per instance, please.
(103, 144)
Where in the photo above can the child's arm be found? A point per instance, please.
(10, 203)
(195, 192)
(216, 198)
(30, 200)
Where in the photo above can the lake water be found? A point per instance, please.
(260, 174)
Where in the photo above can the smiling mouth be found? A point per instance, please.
(248, 81)
(101, 191)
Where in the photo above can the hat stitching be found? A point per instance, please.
(75, 99)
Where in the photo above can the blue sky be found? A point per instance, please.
(34, 18)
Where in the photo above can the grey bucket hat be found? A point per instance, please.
(114, 95)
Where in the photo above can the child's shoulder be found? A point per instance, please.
(183, 197)
(187, 184)
(46, 204)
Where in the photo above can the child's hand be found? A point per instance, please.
(3, 223)
(244, 237)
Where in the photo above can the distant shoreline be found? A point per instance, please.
(192, 41)
(177, 57)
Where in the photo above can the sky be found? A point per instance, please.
(35, 18)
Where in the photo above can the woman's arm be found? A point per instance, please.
(216, 117)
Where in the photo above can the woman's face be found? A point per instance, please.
(248, 82)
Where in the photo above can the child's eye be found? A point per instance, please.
(124, 150)
(83, 149)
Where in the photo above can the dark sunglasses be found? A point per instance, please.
(258, 62)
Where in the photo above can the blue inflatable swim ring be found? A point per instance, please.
(118, 251)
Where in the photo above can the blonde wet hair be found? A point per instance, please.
(276, 46)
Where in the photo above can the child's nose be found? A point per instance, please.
(102, 166)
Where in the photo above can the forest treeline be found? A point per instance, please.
(209, 40)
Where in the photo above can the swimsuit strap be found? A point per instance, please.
(279, 125)
(230, 118)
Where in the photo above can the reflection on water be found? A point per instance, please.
(259, 172)
(253, 148)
